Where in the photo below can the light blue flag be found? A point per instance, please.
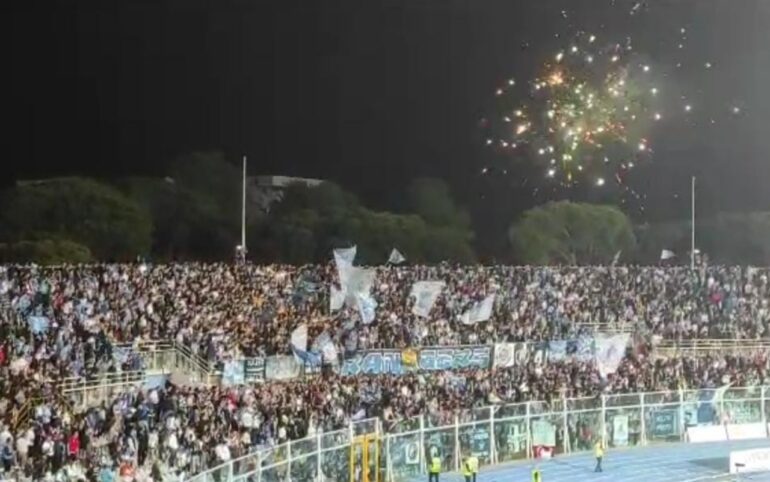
(425, 294)
(38, 324)
(367, 307)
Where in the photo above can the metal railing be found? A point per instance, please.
(170, 356)
(105, 387)
(695, 347)
(608, 327)
(504, 433)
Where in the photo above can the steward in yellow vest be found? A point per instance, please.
(474, 466)
(434, 469)
(599, 453)
(468, 469)
(536, 477)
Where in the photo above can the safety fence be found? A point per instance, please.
(497, 434)
(700, 347)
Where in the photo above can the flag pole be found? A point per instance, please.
(692, 226)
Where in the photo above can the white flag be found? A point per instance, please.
(359, 283)
(343, 258)
(326, 347)
(336, 298)
(396, 257)
(666, 254)
(610, 351)
(366, 308)
(299, 338)
(480, 311)
(425, 294)
(616, 258)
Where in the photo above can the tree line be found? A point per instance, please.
(194, 214)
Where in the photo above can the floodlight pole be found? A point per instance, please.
(692, 226)
(243, 209)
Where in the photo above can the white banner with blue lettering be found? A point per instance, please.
(610, 351)
(480, 311)
(425, 294)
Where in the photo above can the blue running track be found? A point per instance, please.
(663, 463)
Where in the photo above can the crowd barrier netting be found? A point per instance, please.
(501, 433)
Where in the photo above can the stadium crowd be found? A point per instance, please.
(224, 310)
(65, 321)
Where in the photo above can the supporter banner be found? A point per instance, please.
(582, 348)
(664, 423)
(480, 442)
(281, 367)
(620, 430)
(374, 363)
(504, 355)
(557, 350)
(538, 352)
(409, 358)
(543, 433)
(412, 453)
(404, 453)
(254, 369)
(233, 373)
(395, 362)
(455, 358)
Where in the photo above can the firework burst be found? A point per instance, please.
(585, 117)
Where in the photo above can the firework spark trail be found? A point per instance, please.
(588, 117)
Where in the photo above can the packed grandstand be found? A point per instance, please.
(81, 322)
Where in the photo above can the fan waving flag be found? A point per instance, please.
(336, 298)
(666, 254)
(299, 346)
(425, 294)
(396, 257)
(480, 311)
(343, 258)
(366, 307)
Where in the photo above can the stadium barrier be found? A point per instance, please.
(702, 347)
(505, 433)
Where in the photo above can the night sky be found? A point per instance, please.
(369, 93)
